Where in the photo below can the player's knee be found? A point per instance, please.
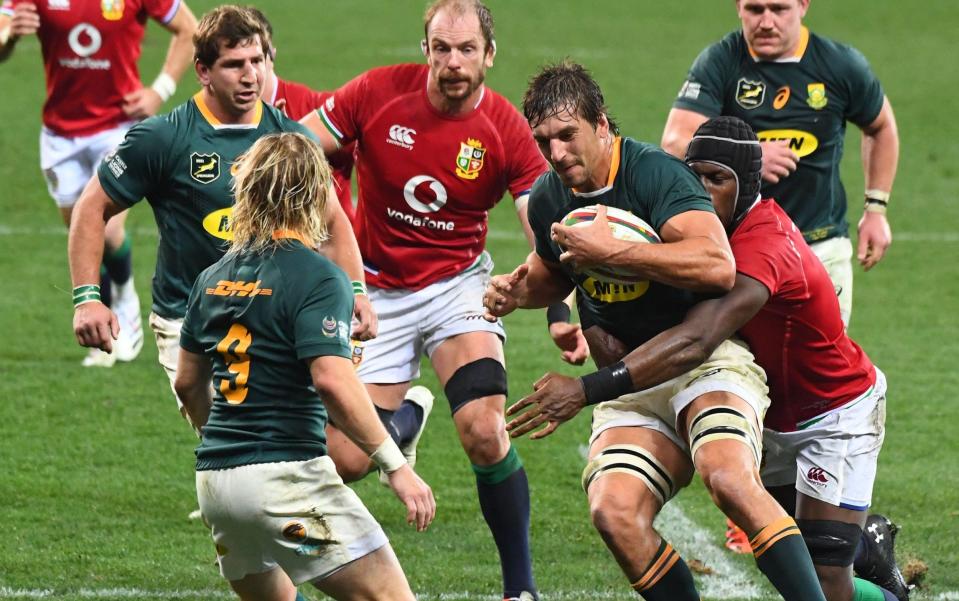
(484, 438)
(614, 513)
(831, 544)
(475, 380)
(729, 485)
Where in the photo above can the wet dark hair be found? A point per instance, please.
(228, 24)
(565, 86)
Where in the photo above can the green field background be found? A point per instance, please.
(96, 466)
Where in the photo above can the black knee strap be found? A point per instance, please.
(481, 378)
(830, 543)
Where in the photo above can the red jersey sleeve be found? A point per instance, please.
(161, 10)
(762, 256)
(342, 113)
(526, 161)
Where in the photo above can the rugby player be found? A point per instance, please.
(269, 324)
(183, 164)
(90, 52)
(645, 445)
(436, 150)
(797, 90)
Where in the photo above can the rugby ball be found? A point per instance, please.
(625, 226)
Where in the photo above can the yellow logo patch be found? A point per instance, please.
(217, 224)
(470, 159)
(112, 9)
(610, 292)
(802, 143)
(817, 96)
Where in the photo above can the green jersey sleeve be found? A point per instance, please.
(668, 187)
(702, 92)
(865, 92)
(138, 164)
(188, 340)
(541, 217)
(322, 314)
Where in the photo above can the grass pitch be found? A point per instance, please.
(97, 466)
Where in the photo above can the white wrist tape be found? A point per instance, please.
(388, 456)
(164, 85)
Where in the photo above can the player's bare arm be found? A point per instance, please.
(350, 407)
(681, 124)
(25, 21)
(532, 285)
(192, 385)
(147, 101)
(558, 398)
(342, 249)
(880, 157)
(94, 324)
(695, 253)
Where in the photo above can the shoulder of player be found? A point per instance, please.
(726, 51)
(546, 197)
(767, 222)
(405, 77)
(305, 269)
(637, 155)
(835, 54)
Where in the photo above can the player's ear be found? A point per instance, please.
(490, 54)
(202, 72)
(424, 47)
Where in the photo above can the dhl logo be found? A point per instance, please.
(802, 143)
(217, 224)
(228, 288)
(611, 292)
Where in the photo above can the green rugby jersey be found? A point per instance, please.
(655, 187)
(259, 316)
(805, 99)
(183, 162)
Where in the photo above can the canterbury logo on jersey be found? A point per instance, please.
(228, 288)
(401, 136)
(801, 142)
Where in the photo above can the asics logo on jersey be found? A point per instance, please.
(401, 136)
(817, 475)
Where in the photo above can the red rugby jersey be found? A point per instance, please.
(798, 337)
(427, 180)
(300, 100)
(90, 52)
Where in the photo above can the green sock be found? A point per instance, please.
(782, 556)
(667, 578)
(867, 591)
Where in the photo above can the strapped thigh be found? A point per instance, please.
(722, 421)
(634, 461)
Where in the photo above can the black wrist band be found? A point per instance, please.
(607, 384)
(877, 201)
(557, 312)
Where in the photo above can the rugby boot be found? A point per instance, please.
(97, 358)
(736, 539)
(126, 305)
(422, 397)
(877, 563)
(524, 596)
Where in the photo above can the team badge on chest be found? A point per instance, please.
(112, 9)
(205, 168)
(470, 159)
(750, 94)
(817, 96)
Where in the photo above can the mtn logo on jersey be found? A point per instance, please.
(750, 94)
(817, 96)
(801, 142)
(217, 224)
(470, 159)
(401, 136)
(112, 9)
(611, 292)
(205, 168)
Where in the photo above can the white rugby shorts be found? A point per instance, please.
(167, 334)
(836, 256)
(833, 456)
(69, 163)
(297, 515)
(730, 368)
(413, 323)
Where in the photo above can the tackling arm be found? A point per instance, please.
(681, 124)
(314, 123)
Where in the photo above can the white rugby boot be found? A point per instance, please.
(97, 358)
(418, 395)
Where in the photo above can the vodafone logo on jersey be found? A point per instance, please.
(424, 194)
(401, 136)
(85, 40)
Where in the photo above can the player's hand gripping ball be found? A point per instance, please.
(624, 226)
